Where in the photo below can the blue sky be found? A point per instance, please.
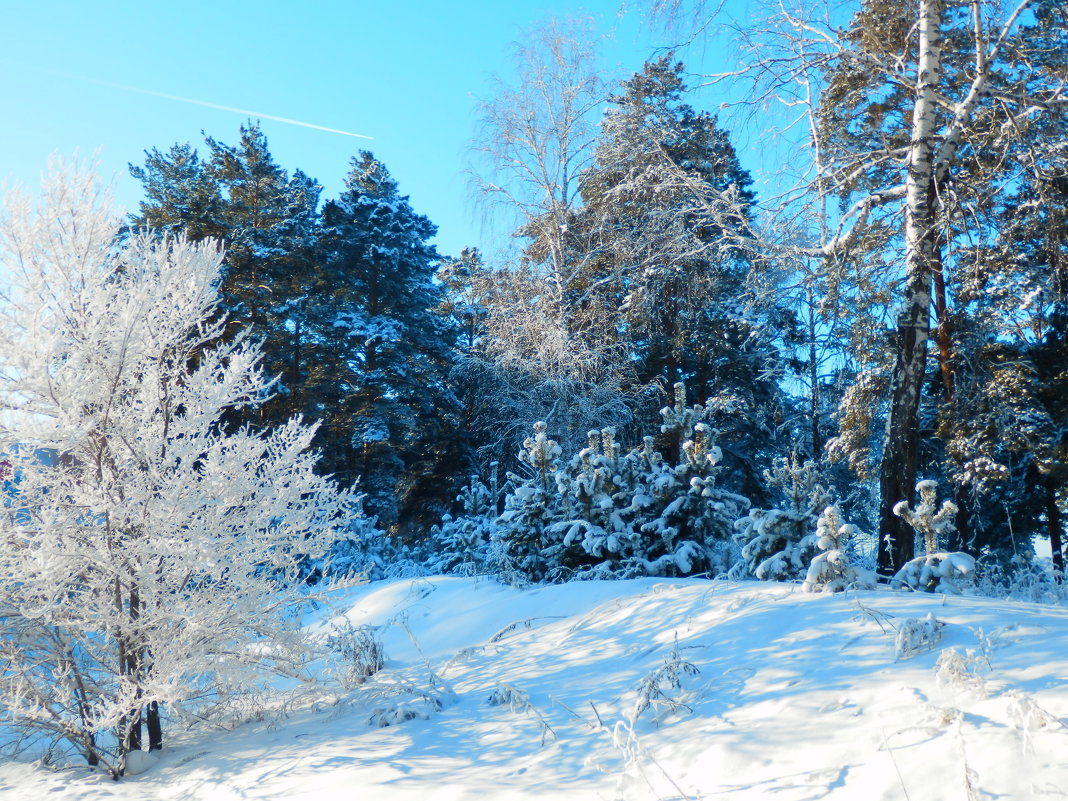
(407, 74)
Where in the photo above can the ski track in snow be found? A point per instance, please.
(798, 697)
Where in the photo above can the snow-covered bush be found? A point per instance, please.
(1024, 578)
(831, 569)
(150, 554)
(360, 651)
(917, 634)
(779, 544)
(947, 573)
(662, 690)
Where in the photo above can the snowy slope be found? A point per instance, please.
(795, 697)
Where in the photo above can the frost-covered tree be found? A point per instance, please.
(831, 570)
(779, 544)
(655, 251)
(150, 553)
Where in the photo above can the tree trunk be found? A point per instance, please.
(897, 473)
(814, 378)
(134, 663)
(960, 538)
(1053, 521)
(155, 727)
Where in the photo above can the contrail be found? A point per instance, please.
(216, 106)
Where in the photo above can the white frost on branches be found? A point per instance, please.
(930, 521)
(150, 554)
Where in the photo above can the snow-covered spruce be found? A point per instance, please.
(831, 570)
(779, 544)
(150, 555)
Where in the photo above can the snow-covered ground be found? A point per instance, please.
(791, 696)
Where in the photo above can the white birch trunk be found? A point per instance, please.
(899, 463)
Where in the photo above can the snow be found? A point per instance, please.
(531, 694)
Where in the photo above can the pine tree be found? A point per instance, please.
(599, 534)
(462, 544)
(691, 518)
(393, 350)
(664, 244)
(831, 569)
(779, 544)
(525, 545)
(267, 220)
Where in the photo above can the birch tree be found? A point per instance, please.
(150, 554)
(544, 333)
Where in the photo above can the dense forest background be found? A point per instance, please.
(665, 372)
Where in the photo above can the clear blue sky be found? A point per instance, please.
(405, 73)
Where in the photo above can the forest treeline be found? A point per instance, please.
(899, 312)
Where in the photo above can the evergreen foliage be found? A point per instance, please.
(667, 257)
(390, 346)
(602, 514)
(831, 570)
(345, 305)
(779, 544)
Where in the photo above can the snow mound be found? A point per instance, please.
(646, 689)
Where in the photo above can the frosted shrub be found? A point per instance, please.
(661, 691)
(948, 573)
(917, 634)
(360, 651)
(831, 570)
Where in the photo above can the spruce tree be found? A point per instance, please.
(393, 349)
